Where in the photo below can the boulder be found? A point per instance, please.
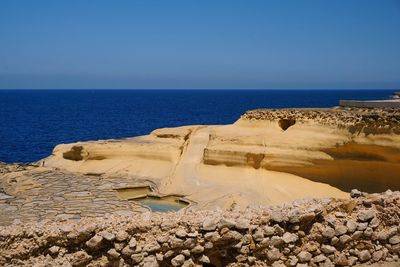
(341, 260)
(95, 242)
(366, 215)
(351, 226)
(178, 260)
(150, 261)
(340, 230)
(197, 249)
(107, 235)
(377, 255)
(231, 236)
(277, 216)
(289, 238)
(113, 254)
(304, 256)
(54, 250)
(327, 249)
(204, 259)
(210, 224)
(269, 230)
(355, 193)
(319, 258)
(181, 233)
(121, 236)
(364, 255)
(132, 243)
(189, 263)
(344, 239)
(328, 232)
(79, 259)
(151, 247)
(137, 258)
(224, 222)
(394, 240)
(274, 254)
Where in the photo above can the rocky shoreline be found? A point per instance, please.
(316, 232)
(271, 189)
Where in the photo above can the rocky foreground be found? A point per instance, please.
(326, 232)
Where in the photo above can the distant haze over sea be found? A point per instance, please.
(34, 121)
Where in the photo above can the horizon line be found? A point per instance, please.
(199, 89)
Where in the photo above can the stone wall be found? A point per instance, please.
(370, 104)
(325, 232)
(341, 116)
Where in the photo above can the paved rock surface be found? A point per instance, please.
(55, 195)
(298, 234)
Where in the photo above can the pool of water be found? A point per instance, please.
(163, 205)
(142, 195)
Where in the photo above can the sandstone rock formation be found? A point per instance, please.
(89, 203)
(267, 156)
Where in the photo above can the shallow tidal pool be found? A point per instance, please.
(160, 205)
(157, 204)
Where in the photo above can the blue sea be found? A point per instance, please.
(32, 122)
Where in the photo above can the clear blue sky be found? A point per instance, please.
(199, 44)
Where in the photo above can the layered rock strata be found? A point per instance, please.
(266, 157)
(343, 147)
(75, 208)
(324, 152)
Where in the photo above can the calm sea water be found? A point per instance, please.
(32, 122)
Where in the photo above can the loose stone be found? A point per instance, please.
(79, 259)
(289, 237)
(137, 258)
(364, 255)
(304, 256)
(366, 215)
(340, 230)
(178, 260)
(107, 236)
(204, 259)
(113, 254)
(121, 236)
(328, 232)
(95, 242)
(351, 226)
(274, 254)
(197, 249)
(210, 224)
(328, 249)
(54, 250)
(341, 260)
(394, 240)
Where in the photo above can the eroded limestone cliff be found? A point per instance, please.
(267, 156)
(89, 203)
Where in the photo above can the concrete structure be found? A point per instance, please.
(371, 103)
